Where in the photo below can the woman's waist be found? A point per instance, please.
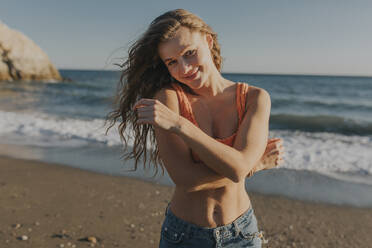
(206, 209)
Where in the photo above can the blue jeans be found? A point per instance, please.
(242, 232)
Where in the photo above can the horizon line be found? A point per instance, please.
(250, 73)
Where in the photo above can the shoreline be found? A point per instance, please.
(55, 204)
(297, 184)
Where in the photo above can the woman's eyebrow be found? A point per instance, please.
(183, 50)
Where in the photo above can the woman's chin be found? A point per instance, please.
(196, 84)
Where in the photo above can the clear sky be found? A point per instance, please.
(256, 36)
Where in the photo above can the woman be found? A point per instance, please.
(209, 133)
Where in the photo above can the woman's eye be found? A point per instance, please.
(172, 62)
(190, 52)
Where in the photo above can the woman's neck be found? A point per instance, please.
(214, 85)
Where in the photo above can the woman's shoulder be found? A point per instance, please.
(168, 96)
(257, 96)
(167, 93)
(254, 92)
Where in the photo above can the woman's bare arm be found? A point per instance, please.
(173, 150)
(186, 174)
(250, 142)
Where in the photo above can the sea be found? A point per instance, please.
(324, 121)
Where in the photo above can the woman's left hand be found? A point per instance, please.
(152, 111)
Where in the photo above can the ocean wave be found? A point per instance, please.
(327, 153)
(44, 130)
(323, 103)
(316, 151)
(320, 123)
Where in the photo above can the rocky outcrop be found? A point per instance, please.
(22, 59)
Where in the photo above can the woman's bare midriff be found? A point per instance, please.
(211, 208)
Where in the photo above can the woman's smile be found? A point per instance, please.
(193, 75)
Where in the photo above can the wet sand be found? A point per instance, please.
(51, 205)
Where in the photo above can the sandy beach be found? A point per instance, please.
(48, 205)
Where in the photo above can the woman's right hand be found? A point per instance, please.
(273, 155)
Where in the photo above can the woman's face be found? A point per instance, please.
(187, 57)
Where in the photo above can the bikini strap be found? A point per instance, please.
(186, 109)
(241, 94)
(184, 104)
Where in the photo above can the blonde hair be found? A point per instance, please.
(144, 73)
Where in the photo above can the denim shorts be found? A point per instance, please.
(242, 232)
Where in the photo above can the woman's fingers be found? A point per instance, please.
(145, 108)
(138, 106)
(145, 114)
(146, 111)
(145, 102)
(279, 143)
(152, 111)
(274, 147)
(273, 140)
(276, 153)
(270, 146)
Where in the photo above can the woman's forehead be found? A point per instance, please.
(183, 38)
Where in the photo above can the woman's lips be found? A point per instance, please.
(192, 76)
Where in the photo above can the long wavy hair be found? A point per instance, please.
(143, 74)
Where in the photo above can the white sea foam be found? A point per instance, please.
(44, 130)
(322, 152)
(327, 152)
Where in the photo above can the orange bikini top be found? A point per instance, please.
(186, 110)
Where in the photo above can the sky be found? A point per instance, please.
(256, 36)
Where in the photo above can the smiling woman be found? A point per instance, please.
(194, 58)
(210, 133)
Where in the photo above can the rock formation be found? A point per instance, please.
(22, 59)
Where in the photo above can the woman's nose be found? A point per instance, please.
(185, 68)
